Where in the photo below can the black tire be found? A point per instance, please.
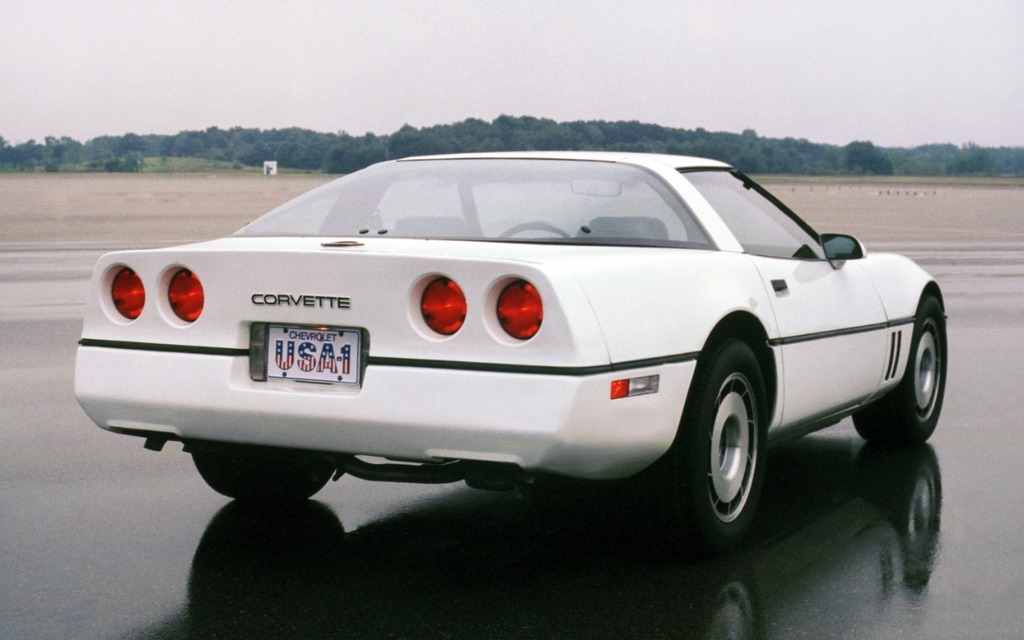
(259, 474)
(705, 489)
(908, 414)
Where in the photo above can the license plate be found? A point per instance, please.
(313, 354)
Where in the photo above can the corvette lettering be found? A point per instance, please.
(289, 300)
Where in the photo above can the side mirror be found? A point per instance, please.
(839, 248)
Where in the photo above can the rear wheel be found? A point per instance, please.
(909, 413)
(706, 488)
(261, 474)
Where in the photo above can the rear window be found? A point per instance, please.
(514, 200)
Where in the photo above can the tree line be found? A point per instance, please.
(305, 150)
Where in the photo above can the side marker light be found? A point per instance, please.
(630, 387)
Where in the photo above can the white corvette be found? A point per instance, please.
(492, 317)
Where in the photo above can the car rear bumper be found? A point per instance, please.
(564, 424)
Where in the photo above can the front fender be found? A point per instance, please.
(900, 282)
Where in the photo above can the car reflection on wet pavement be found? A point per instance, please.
(476, 565)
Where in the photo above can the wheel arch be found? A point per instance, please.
(746, 327)
(932, 289)
(697, 511)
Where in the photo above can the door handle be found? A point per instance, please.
(779, 286)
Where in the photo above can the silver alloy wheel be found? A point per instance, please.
(733, 455)
(927, 369)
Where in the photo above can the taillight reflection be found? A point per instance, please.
(185, 293)
(520, 310)
(443, 306)
(128, 293)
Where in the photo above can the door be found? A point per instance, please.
(833, 338)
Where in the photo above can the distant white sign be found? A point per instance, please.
(270, 167)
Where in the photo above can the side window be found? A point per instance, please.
(761, 227)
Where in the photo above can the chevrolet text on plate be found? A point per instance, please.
(493, 318)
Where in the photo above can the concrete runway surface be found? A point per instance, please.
(100, 538)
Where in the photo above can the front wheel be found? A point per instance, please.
(909, 413)
(258, 474)
(705, 489)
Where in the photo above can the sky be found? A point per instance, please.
(898, 73)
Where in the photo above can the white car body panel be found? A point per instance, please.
(554, 422)
(821, 300)
(239, 268)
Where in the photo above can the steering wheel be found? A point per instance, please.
(535, 225)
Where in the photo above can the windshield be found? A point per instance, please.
(492, 199)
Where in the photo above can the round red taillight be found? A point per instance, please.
(444, 306)
(520, 310)
(128, 294)
(185, 293)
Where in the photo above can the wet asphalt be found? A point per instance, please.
(100, 538)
